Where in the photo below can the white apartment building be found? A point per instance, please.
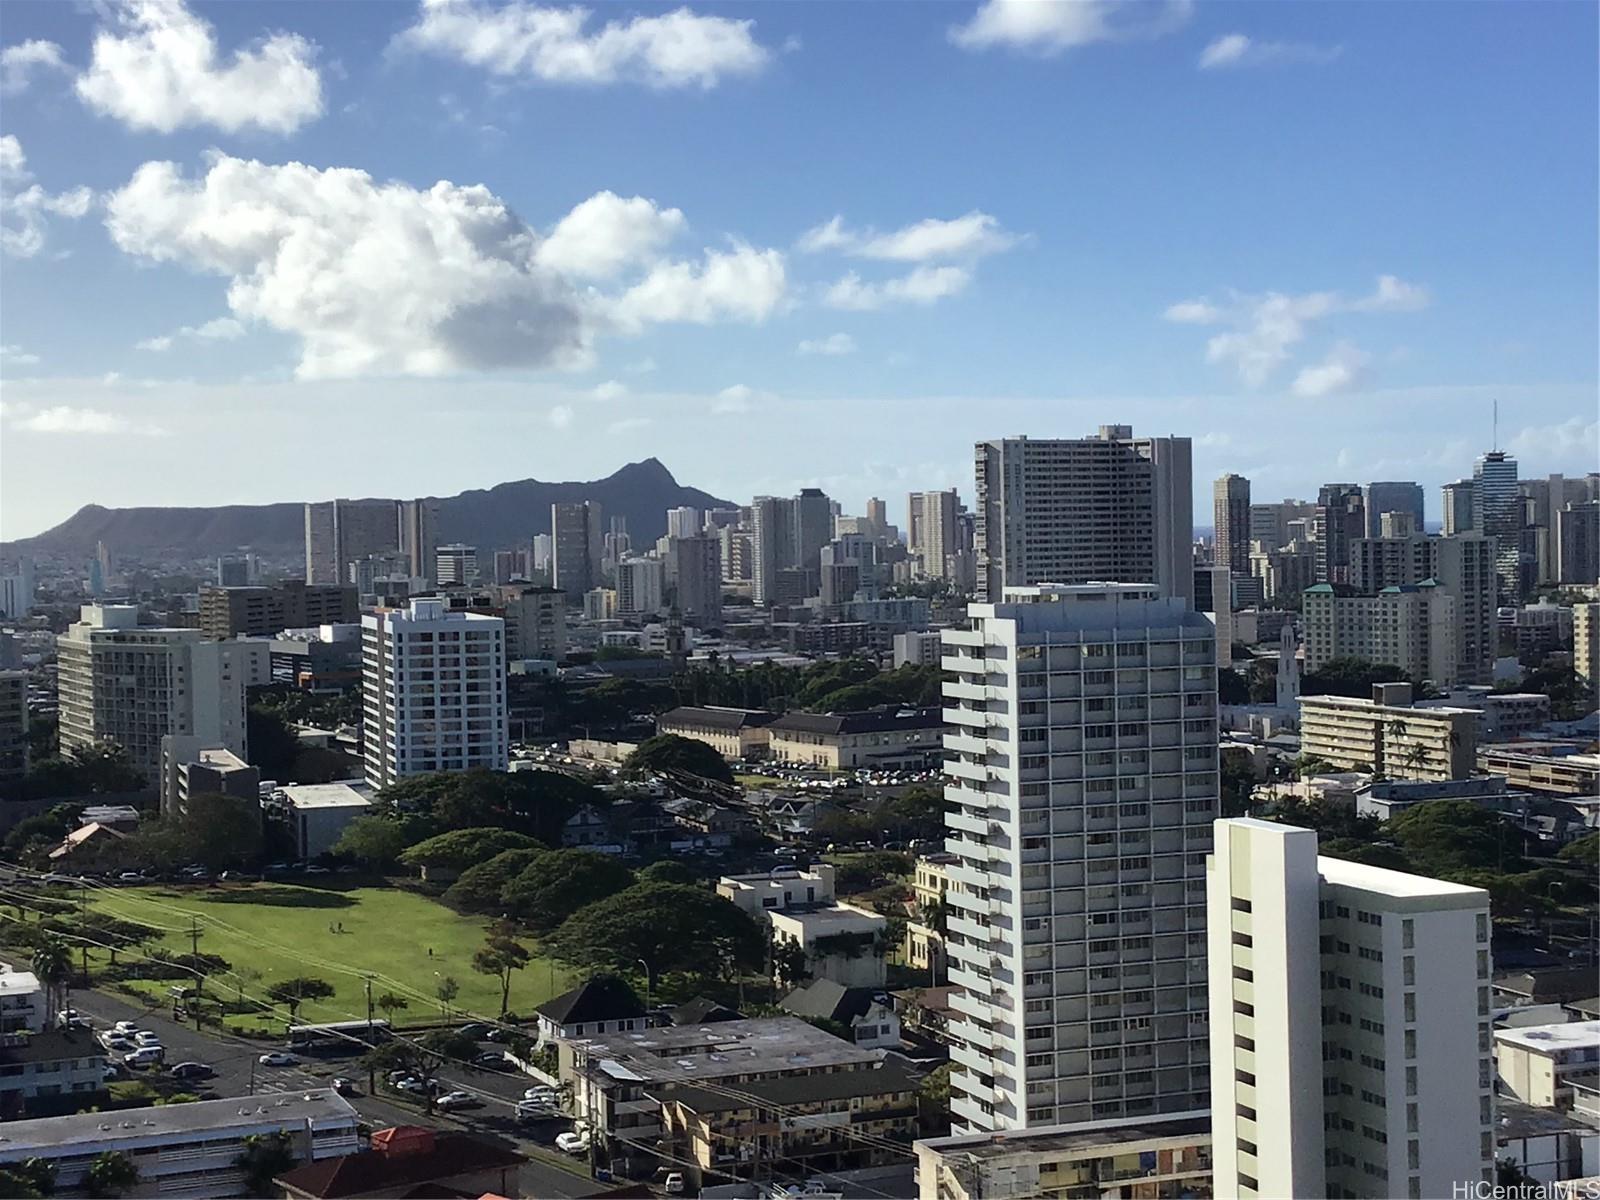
(433, 688)
(1461, 566)
(932, 532)
(133, 685)
(1586, 641)
(1070, 511)
(639, 586)
(22, 1002)
(1412, 627)
(917, 648)
(1083, 774)
(1388, 737)
(1538, 1064)
(456, 565)
(1350, 1034)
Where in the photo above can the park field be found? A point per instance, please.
(274, 931)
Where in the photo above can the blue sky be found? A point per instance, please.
(1317, 238)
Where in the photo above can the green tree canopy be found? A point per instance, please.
(1446, 837)
(479, 889)
(375, 840)
(110, 1174)
(499, 956)
(1585, 851)
(423, 1057)
(220, 831)
(669, 926)
(462, 848)
(669, 752)
(273, 745)
(559, 882)
(1349, 677)
(535, 803)
(292, 993)
(668, 870)
(265, 1156)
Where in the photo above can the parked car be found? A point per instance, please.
(117, 1044)
(490, 1060)
(193, 1070)
(130, 877)
(277, 1058)
(674, 1183)
(126, 1028)
(144, 1056)
(535, 1110)
(543, 1092)
(476, 1030)
(574, 1141)
(454, 1100)
(344, 1086)
(146, 1038)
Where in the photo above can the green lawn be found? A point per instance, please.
(274, 931)
(758, 781)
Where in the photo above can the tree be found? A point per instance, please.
(1445, 837)
(375, 841)
(52, 963)
(668, 926)
(110, 1174)
(1584, 851)
(500, 955)
(935, 1085)
(391, 1004)
(1232, 687)
(668, 870)
(1238, 783)
(480, 887)
(273, 745)
(559, 882)
(535, 803)
(292, 993)
(462, 848)
(220, 831)
(265, 1156)
(28, 1179)
(790, 965)
(447, 991)
(667, 752)
(422, 1058)
(1349, 677)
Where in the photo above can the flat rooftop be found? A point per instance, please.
(1083, 1136)
(1552, 1039)
(1362, 704)
(327, 795)
(834, 918)
(69, 1133)
(683, 1054)
(1391, 883)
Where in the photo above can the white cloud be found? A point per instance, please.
(1573, 440)
(20, 62)
(1241, 50)
(17, 356)
(1264, 328)
(929, 240)
(386, 278)
(643, 367)
(26, 208)
(833, 345)
(627, 425)
(677, 49)
(1051, 26)
(70, 419)
(161, 69)
(561, 416)
(925, 285)
(739, 398)
(218, 329)
(606, 233)
(610, 390)
(1345, 369)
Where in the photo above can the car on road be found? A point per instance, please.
(477, 1031)
(118, 1044)
(543, 1092)
(674, 1184)
(316, 869)
(451, 1101)
(574, 1141)
(490, 1060)
(144, 1056)
(277, 1058)
(536, 1110)
(409, 1083)
(130, 877)
(193, 1070)
(71, 1018)
(344, 1086)
(126, 1028)
(145, 1037)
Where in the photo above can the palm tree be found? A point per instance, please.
(52, 963)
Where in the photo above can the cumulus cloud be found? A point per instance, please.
(1263, 329)
(561, 416)
(1344, 370)
(738, 398)
(21, 62)
(610, 390)
(1049, 27)
(929, 240)
(557, 45)
(17, 357)
(387, 278)
(1573, 440)
(219, 329)
(1241, 50)
(925, 285)
(26, 208)
(831, 346)
(71, 419)
(159, 67)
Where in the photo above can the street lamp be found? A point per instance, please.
(646, 967)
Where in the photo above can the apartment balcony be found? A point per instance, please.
(976, 718)
(969, 1083)
(966, 927)
(978, 985)
(960, 769)
(965, 689)
(971, 1033)
(967, 823)
(965, 743)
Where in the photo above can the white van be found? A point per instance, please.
(144, 1056)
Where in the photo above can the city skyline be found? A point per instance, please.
(1235, 267)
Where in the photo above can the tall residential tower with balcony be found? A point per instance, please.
(1082, 783)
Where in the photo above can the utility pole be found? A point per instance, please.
(199, 977)
(372, 1074)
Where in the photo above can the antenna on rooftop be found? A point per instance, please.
(1496, 425)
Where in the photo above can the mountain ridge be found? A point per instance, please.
(493, 518)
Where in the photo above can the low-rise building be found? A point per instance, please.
(22, 1001)
(315, 814)
(1554, 768)
(49, 1071)
(882, 738)
(1388, 736)
(918, 648)
(866, 1012)
(1386, 798)
(1586, 641)
(1139, 1156)
(734, 733)
(834, 1121)
(1538, 1064)
(189, 767)
(598, 1006)
(840, 942)
(408, 1160)
(185, 1150)
(13, 725)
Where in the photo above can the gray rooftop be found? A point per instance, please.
(225, 1118)
(684, 1053)
(1084, 1136)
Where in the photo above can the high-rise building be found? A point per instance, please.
(13, 725)
(433, 690)
(1380, 498)
(456, 565)
(1340, 519)
(1458, 516)
(1498, 514)
(1463, 568)
(419, 536)
(1230, 497)
(1081, 780)
(130, 684)
(1577, 541)
(1398, 524)
(536, 621)
(236, 571)
(16, 591)
(1110, 507)
(340, 531)
(1284, 572)
(229, 612)
(543, 555)
(694, 565)
(1586, 641)
(1269, 523)
(640, 586)
(878, 515)
(1411, 626)
(773, 527)
(576, 541)
(813, 527)
(932, 531)
(1350, 1024)
(683, 522)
